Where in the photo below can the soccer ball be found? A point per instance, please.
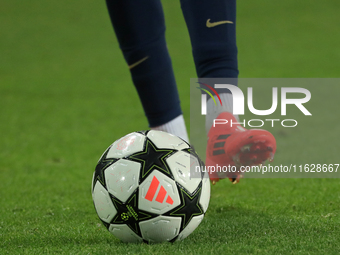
(147, 187)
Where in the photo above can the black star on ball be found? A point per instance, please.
(101, 166)
(152, 158)
(189, 207)
(129, 214)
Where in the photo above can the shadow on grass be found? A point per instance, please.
(227, 227)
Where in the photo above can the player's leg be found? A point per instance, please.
(212, 29)
(140, 29)
(211, 25)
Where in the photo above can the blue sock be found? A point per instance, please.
(140, 29)
(214, 48)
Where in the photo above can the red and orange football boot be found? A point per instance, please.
(231, 145)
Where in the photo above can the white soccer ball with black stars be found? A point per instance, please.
(148, 187)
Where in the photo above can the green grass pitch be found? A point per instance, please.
(66, 94)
